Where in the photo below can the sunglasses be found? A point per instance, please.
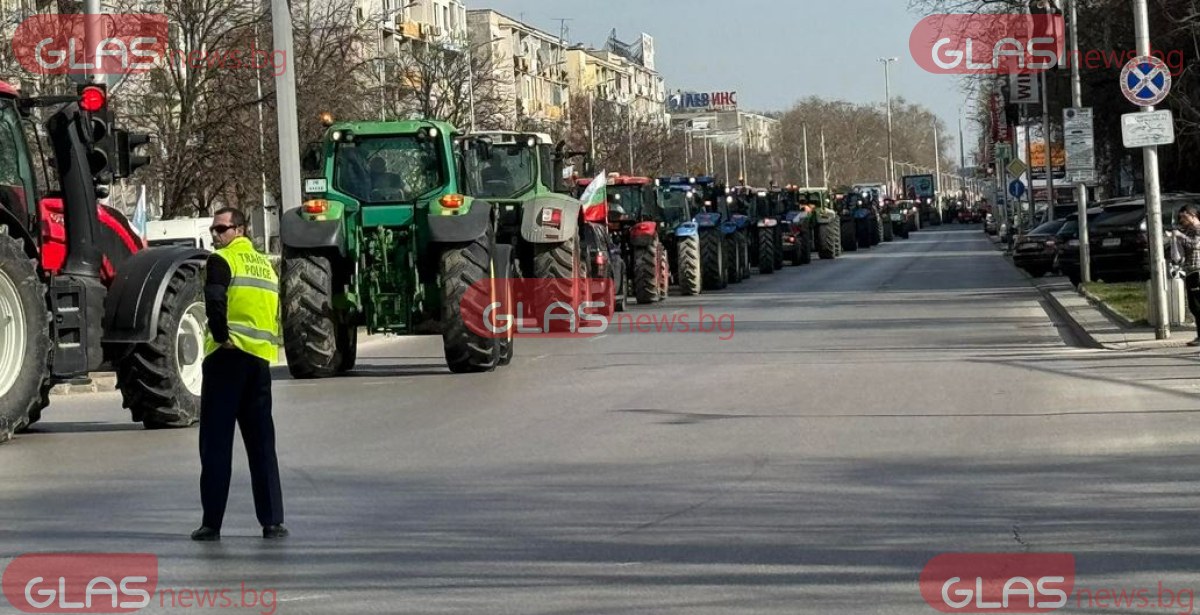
(221, 229)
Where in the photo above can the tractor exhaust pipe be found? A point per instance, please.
(79, 194)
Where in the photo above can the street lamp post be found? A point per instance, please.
(887, 88)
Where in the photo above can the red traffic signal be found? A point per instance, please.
(92, 98)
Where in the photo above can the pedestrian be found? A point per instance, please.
(1187, 244)
(241, 295)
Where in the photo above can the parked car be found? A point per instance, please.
(1066, 244)
(1119, 238)
(1034, 250)
(1061, 211)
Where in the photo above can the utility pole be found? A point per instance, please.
(806, 155)
(824, 163)
(1050, 200)
(1154, 226)
(937, 169)
(887, 89)
(285, 93)
(1081, 194)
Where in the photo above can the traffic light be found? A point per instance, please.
(98, 134)
(128, 160)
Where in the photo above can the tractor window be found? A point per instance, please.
(393, 169)
(628, 198)
(511, 171)
(675, 205)
(15, 190)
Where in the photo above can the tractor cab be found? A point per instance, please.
(632, 199)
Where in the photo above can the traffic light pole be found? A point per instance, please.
(1154, 222)
(285, 88)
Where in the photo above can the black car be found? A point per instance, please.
(1119, 240)
(1066, 244)
(1034, 251)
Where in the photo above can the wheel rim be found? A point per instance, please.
(189, 345)
(12, 334)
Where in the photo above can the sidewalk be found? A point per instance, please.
(1094, 324)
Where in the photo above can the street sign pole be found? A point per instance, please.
(1026, 122)
(1081, 194)
(1158, 269)
(1050, 200)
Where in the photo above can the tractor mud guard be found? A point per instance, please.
(298, 232)
(467, 227)
(17, 230)
(135, 298)
(688, 229)
(533, 230)
(643, 234)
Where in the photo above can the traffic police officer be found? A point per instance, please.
(241, 294)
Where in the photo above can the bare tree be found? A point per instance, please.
(436, 81)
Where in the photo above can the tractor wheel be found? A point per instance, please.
(849, 238)
(734, 272)
(24, 339)
(506, 270)
(560, 272)
(743, 252)
(829, 243)
(460, 267)
(805, 248)
(777, 238)
(645, 269)
(310, 331)
(690, 272)
(876, 230)
(664, 273)
(888, 235)
(347, 346)
(766, 251)
(712, 259)
(160, 380)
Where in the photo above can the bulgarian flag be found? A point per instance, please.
(596, 193)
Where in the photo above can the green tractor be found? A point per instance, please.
(552, 235)
(819, 223)
(388, 238)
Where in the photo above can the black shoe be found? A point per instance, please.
(1195, 342)
(206, 534)
(275, 531)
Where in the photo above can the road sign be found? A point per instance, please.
(1024, 89)
(1080, 139)
(1148, 129)
(1003, 151)
(1016, 188)
(1016, 168)
(1146, 81)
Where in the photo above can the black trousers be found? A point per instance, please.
(1192, 283)
(237, 389)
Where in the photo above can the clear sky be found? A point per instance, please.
(772, 52)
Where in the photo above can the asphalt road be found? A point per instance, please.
(864, 416)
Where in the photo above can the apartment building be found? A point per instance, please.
(529, 64)
(622, 73)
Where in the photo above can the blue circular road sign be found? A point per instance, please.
(1146, 81)
(1016, 188)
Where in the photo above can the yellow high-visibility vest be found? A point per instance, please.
(253, 302)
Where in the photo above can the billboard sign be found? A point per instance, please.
(918, 187)
(702, 101)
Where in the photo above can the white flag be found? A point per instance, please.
(139, 214)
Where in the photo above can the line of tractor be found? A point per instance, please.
(405, 228)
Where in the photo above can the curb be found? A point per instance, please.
(1112, 314)
(1064, 315)
(100, 382)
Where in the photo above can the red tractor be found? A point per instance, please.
(635, 220)
(79, 290)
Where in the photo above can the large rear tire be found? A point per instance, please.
(733, 273)
(645, 272)
(888, 235)
(690, 272)
(160, 380)
(766, 250)
(777, 233)
(460, 267)
(712, 259)
(743, 254)
(829, 242)
(25, 343)
(310, 330)
(508, 270)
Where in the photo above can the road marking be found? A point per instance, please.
(598, 337)
(299, 598)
